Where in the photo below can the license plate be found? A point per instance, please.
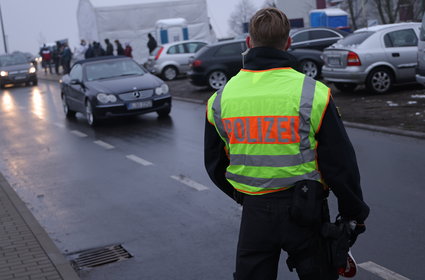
(139, 105)
(334, 61)
(20, 77)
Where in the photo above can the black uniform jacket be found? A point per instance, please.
(336, 156)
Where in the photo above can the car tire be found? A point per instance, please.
(2, 85)
(169, 73)
(380, 80)
(35, 82)
(90, 116)
(217, 79)
(310, 68)
(345, 87)
(164, 112)
(68, 112)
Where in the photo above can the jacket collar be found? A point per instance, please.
(263, 58)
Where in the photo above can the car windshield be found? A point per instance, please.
(354, 38)
(7, 60)
(112, 69)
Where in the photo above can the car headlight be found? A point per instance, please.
(163, 89)
(32, 70)
(4, 73)
(106, 98)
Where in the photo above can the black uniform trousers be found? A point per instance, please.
(266, 229)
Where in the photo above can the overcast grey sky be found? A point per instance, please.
(29, 23)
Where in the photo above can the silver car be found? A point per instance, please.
(378, 57)
(170, 60)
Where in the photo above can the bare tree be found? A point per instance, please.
(352, 14)
(243, 12)
(357, 10)
(391, 11)
(388, 10)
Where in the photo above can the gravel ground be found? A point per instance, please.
(403, 108)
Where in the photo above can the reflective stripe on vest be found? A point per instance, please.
(272, 183)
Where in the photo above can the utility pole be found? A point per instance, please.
(2, 29)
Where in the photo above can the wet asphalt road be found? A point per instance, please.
(140, 182)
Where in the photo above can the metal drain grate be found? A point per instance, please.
(99, 256)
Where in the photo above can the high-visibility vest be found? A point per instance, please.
(268, 121)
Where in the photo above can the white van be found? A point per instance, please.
(420, 68)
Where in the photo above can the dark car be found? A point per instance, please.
(15, 69)
(317, 38)
(111, 86)
(215, 64)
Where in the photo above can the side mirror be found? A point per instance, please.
(76, 82)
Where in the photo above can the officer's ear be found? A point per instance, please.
(248, 42)
(288, 43)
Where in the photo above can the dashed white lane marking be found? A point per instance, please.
(139, 160)
(59, 125)
(103, 144)
(381, 271)
(78, 133)
(189, 182)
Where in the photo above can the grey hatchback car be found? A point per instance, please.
(170, 60)
(378, 56)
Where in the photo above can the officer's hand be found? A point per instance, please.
(359, 229)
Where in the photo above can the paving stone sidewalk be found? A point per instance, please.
(26, 251)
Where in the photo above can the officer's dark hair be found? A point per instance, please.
(269, 27)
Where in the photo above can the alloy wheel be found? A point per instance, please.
(310, 68)
(380, 81)
(170, 73)
(217, 80)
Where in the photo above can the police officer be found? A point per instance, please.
(273, 135)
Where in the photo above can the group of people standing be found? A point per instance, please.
(95, 49)
(56, 56)
(62, 55)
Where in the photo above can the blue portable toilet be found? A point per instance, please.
(331, 17)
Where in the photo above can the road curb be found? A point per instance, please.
(382, 129)
(61, 264)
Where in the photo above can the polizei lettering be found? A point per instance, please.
(262, 130)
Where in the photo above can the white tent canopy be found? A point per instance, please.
(131, 20)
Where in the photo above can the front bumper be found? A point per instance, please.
(344, 75)
(18, 78)
(117, 110)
